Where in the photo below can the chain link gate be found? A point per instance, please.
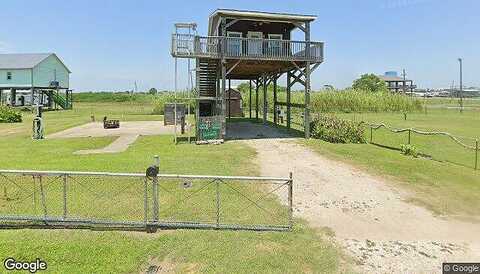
(100, 200)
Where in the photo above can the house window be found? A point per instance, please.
(234, 43)
(9, 75)
(275, 47)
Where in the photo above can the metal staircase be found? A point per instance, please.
(61, 101)
(207, 77)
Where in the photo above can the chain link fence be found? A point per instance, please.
(136, 201)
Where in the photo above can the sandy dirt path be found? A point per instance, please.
(371, 219)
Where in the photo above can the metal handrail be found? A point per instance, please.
(160, 175)
(191, 46)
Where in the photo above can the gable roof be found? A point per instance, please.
(24, 60)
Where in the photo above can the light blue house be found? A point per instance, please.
(35, 78)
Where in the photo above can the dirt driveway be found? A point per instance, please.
(370, 218)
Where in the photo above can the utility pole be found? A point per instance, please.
(404, 82)
(461, 84)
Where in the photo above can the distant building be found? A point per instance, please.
(28, 79)
(234, 106)
(396, 83)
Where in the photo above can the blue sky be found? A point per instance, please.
(110, 44)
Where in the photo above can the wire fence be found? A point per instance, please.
(99, 200)
(438, 145)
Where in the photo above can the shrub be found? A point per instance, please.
(409, 150)
(370, 83)
(161, 99)
(336, 130)
(159, 102)
(9, 115)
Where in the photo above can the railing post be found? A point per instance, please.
(218, 202)
(476, 153)
(65, 196)
(290, 201)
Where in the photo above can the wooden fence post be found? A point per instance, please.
(409, 132)
(476, 153)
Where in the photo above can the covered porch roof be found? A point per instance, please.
(214, 18)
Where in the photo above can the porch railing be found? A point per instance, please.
(191, 46)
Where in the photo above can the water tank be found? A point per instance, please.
(391, 73)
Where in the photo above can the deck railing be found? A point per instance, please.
(245, 48)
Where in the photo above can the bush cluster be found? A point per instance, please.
(358, 101)
(336, 130)
(9, 115)
(159, 102)
(409, 150)
(96, 97)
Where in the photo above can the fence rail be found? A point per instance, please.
(409, 131)
(186, 45)
(104, 200)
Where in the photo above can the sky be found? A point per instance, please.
(111, 44)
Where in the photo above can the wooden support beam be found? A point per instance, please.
(250, 100)
(231, 23)
(229, 98)
(256, 98)
(299, 69)
(296, 79)
(289, 116)
(223, 64)
(314, 67)
(300, 26)
(307, 84)
(265, 102)
(233, 67)
(275, 118)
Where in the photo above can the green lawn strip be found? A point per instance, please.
(202, 251)
(82, 251)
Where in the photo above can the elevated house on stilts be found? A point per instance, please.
(254, 46)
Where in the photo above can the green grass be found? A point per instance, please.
(204, 251)
(447, 183)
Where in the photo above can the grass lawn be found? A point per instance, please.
(448, 184)
(206, 251)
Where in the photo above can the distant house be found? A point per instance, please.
(38, 77)
(396, 83)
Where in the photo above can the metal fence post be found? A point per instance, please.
(218, 202)
(290, 201)
(476, 153)
(65, 196)
(42, 192)
(145, 201)
(371, 134)
(409, 132)
(155, 191)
